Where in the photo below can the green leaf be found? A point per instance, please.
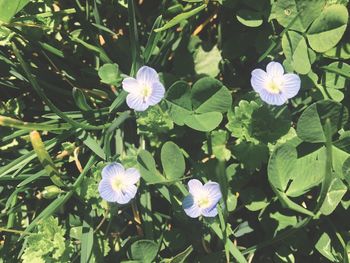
(207, 62)
(249, 18)
(335, 75)
(87, 241)
(327, 30)
(178, 100)
(296, 51)
(92, 144)
(182, 256)
(286, 10)
(341, 72)
(281, 166)
(204, 122)
(239, 120)
(251, 155)
(310, 126)
(216, 145)
(340, 51)
(324, 246)
(179, 18)
(346, 170)
(336, 191)
(144, 250)
(254, 199)
(80, 99)
(152, 40)
(110, 74)
(147, 167)
(45, 158)
(209, 95)
(173, 161)
(47, 242)
(268, 124)
(8, 9)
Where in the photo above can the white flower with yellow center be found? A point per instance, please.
(117, 184)
(202, 200)
(273, 86)
(145, 90)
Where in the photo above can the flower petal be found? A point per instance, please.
(147, 75)
(132, 176)
(194, 186)
(258, 79)
(274, 69)
(130, 85)
(112, 169)
(128, 193)
(272, 98)
(106, 191)
(291, 85)
(157, 95)
(190, 208)
(214, 191)
(135, 101)
(212, 212)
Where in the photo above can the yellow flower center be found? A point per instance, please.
(117, 184)
(146, 91)
(203, 200)
(274, 85)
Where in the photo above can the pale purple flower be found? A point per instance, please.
(117, 184)
(202, 199)
(273, 86)
(144, 91)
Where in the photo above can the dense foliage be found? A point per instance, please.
(283, 171)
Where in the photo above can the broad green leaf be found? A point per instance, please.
(335, 79)
(178, 100)
(324, 246)
(110, 74)
(80, 99)
(268, 124)
(251, 155)
(204, 122)
(209, 95)
(249, 18)
(179, 18)
(9, 8)
(327, 30)
(346, 170)
(147, 167)
(287, 10)
(173, 161)
(281, 165)
(207, 62)
(341, 72)
(310, 126)
(340, 51)
(294, 173)
(336, 191)
(144, 250)
(296, 51)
